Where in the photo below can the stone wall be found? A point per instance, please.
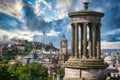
(85, 74)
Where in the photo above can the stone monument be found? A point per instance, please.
(86, 65)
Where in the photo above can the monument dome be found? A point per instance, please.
(110, 59)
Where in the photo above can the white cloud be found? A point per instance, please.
(114, 32)
(68, 27)
(63, 4)
(48, 5)
(52, 33)
(27, 34)
(99, 9)
(62, 7)
(110, 45)
(20, 34)
(12, 8)
(60, 11)
(37, 7)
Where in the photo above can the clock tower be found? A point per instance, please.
(63, 45)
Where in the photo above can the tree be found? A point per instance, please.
(61, 72)
(5, 59)
(14, 70)
(4, 73)
(33, 71)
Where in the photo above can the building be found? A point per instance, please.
(18, 57)
(48, 55)
(113, 69)
(63, 53)
(11, 62)
(86, 65)
(118, 62)
(20, 47)
(63, 45)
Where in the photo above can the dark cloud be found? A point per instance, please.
(113, 36)
(111, 20)
(6, 22)
(115, 17)
(38, 23)
(111, 9)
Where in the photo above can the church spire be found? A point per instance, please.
(63, 36)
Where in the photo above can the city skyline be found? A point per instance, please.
(47, 20)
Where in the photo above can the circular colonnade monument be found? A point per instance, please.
(86, 65)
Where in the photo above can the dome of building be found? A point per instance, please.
(110, 59)
(107, 54)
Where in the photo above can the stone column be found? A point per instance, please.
(90, 41)
(84, 40)
(81, 26)
(94, 40)
(73, 41)
(76, 40)
(98, 42)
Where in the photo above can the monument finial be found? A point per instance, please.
(86, 5)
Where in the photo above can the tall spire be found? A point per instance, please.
(63, 36)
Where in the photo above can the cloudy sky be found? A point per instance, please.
(47, 20)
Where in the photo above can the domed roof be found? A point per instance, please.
(86, 12)
(109, 58)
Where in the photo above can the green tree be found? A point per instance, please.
(5, 59)
(13, 70)
(33, 71)
(61, 72)
(4, 73)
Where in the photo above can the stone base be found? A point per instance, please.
(85, 63)
(84, 74)
(85, 69)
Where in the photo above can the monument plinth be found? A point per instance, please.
(86, 65)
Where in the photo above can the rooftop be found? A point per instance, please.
(86, 12)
